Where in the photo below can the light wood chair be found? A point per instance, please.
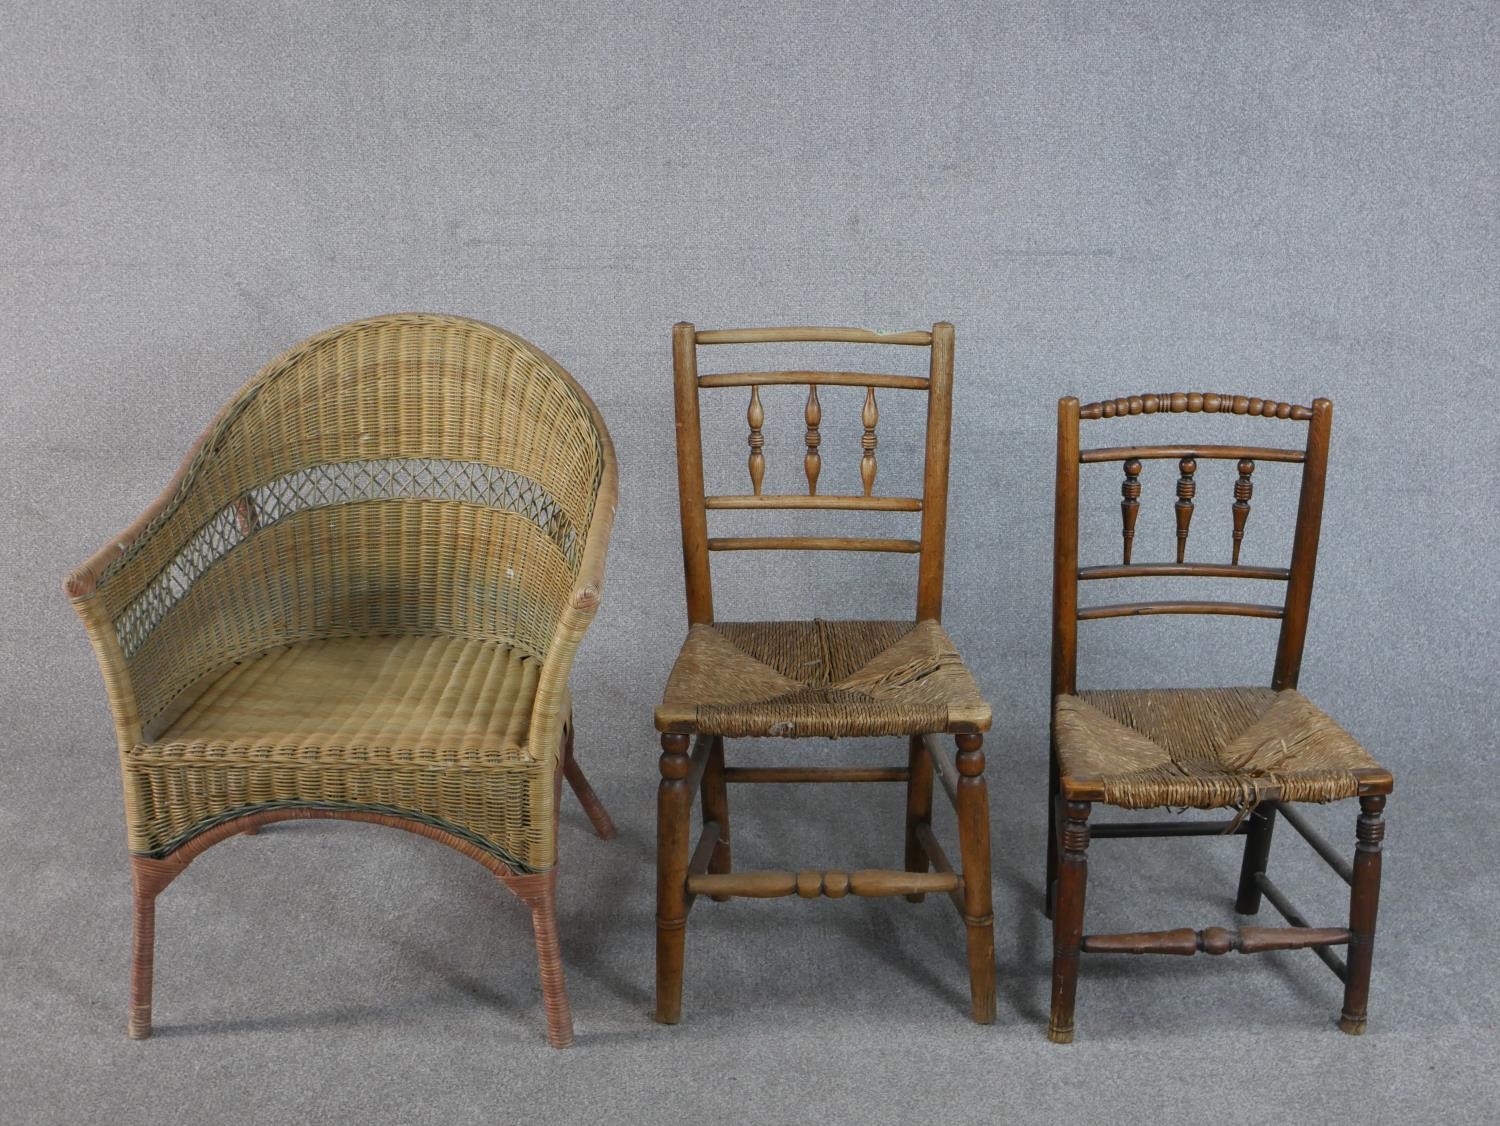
(818, 678)
(1256, 751)
(360, 598)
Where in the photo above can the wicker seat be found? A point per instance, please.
(360, 598)
(801, 679)
(1205, 748)
(1256, 752)
(384, 723)
(827, 679)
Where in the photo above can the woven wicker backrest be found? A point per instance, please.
(405, 474)
(1311, 454)
(936, 386)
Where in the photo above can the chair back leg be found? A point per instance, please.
(604, 826)
(1257, 857)
(715, 798)
(918, 808)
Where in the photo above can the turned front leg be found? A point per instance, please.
(1067, 917)
(673, 818)
(1364, 900)
(974, 844)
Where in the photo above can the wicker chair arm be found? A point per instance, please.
(83, 581)
(82, 586)
(582, 604)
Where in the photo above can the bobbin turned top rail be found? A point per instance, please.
(1194, 402)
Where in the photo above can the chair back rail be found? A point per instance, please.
(1292, 611)
(695, 503)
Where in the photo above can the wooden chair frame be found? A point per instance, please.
(683, 873)
(1071, 799)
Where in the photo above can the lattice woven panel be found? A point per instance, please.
(334, 484)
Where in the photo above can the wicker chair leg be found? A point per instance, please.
(604, 826)
(1054, 783)
(142, 957)
(974, 845)
(918, 806)
(148, 879)
(549, 958)
(1364, 900)
(1257, 856)
(1067, 918)
(715, 797)
(673, 817)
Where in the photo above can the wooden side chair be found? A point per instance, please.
(791, 679)
(360, 598)
(1255, 751)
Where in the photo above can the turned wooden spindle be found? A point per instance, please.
(1130, 503)
(813, 462)
(1186, 489)
(1243, 488)
(869, 416)
(756, 416)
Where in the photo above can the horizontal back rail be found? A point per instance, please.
(824, 500)
(1215, 453)
(820, 378)
(795, 334)
(1144, 609)
(813, 543)
(1164, 570)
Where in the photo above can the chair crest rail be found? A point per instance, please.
(799, 334)
(1194, 402)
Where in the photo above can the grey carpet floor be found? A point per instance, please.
(329, 972)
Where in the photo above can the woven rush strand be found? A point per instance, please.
(1206, 748)
(820, 678)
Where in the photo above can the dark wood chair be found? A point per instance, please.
(1256, 751)
(819, 678)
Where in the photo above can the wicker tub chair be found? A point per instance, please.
(360, 598)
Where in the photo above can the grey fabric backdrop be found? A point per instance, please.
(1286, 199)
